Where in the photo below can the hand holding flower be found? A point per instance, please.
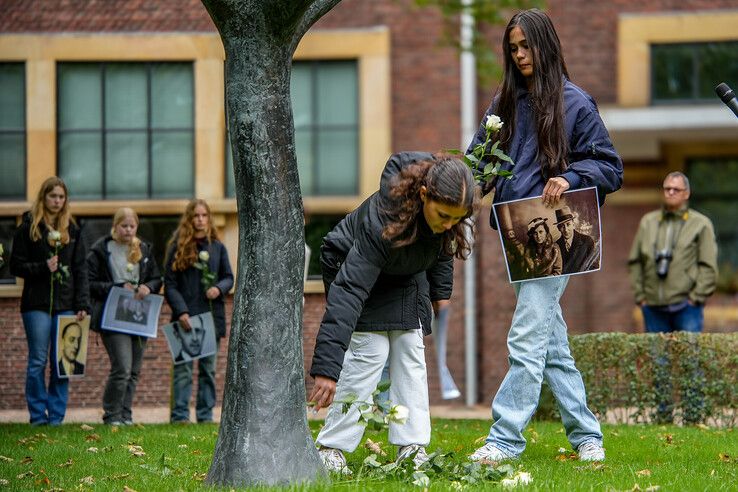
(53, 263)
(486, 159)
(212, 293)
(208, 278)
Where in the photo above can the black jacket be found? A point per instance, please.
(372, 286)
(185, 292)
(101, 281)
(28, 261)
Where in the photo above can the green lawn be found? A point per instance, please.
(170, 458)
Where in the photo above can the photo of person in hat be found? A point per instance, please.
(542, 255)
(577, 250)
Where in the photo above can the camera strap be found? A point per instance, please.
(674, 227)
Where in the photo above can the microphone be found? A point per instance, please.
(727, 96)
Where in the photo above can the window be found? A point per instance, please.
(12, 131)
(7, 230)
(126, 130)
(715, 193)
(689, 72)
(325, 109)
(316, 228)
(155, 230)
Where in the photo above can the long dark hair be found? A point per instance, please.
(546, 91)
(448, 181)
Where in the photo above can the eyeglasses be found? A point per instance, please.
(670, 189)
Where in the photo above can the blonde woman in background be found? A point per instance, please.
(123, 260)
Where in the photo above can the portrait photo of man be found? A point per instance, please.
(71, 347)
(132, 310)
(199, 341)
(577, 250)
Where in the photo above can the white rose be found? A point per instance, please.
(129, 267)
(398, 414)
(55, 235)
(493, 123)
(204, 256)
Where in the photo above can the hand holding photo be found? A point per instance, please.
(539, 241)
(195, 343)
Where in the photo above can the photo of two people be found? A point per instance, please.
(540, 241)
(199, 341)
(71, 346)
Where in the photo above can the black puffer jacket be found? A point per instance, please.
(101, 281)
(185, 292)
(28, 261)
(372, 286)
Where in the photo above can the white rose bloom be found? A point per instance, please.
(54, 235)
(129, 267)
(493, 123)
(398, 414)
(204, 256)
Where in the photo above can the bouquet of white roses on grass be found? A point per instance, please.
(486, 158)
(208, 277)
(62, 271)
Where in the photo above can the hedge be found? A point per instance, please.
(650, 378)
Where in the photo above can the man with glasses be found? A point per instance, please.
(673, 267)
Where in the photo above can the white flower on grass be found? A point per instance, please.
(204, 256)
(55, 235)
(398, 414)
(520, 478)
(493, 123)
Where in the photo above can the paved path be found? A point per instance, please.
(158, 415)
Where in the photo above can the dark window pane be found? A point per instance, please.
(718, 63)
(80, 96)
(172, 164)
(12, 166)
(7, 230)
(126, 169)
(316, 228)
(80, 164)
(171, 95)
(12, 96)
(125, 95)
(12, 131)
(672, 72)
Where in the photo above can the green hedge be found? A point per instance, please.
(695, 377)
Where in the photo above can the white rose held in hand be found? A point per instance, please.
(204, 256)
(129, 267)
(493, 123)
(54, 236)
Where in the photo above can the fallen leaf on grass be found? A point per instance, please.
(196, 451)
(118, 477)
(92, 437)
(66, 464)
(668, 438)
(374, 447)
(89, 480)
(644, 473)
(126, 488)
(725, 458)
(86, 427)
(199, 476)
(25, 475)
(92, 450)
(182, 446)
(653, 488)
(136, 450)
(4, 482)
(702, 427)
(26, 460)
(6, 459)
(114, 429)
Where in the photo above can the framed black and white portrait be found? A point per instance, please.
(197, 342)
(126, 314)
(70, 349)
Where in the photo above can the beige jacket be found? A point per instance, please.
(692, 270)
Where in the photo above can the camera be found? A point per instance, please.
(663, 258)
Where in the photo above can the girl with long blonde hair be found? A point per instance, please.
(121, 259)
(49, 256)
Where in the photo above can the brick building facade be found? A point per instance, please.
(423, 113)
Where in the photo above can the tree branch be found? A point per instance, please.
(316, 10)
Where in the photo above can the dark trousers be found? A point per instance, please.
(126, 356)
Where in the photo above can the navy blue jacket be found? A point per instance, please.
(185, 292)
(28, 261)
(373, 286)
(101, 280)
(592, 159)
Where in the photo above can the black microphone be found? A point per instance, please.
(727, 96)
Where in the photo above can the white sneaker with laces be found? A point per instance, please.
(491, 453)
(591, 451)
(334, 461)
(417, 452)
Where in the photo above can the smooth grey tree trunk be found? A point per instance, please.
(264, 438)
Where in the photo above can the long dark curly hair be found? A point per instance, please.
(546, 90)
(448, 181)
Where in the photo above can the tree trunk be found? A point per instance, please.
(264, 438)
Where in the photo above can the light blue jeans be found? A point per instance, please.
(539, 349)
(182, 375)
(46, 404)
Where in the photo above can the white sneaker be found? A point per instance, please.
(334, 461)
(591, 451)
(491, 453)
(417, 452)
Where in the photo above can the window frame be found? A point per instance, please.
(22, 131)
